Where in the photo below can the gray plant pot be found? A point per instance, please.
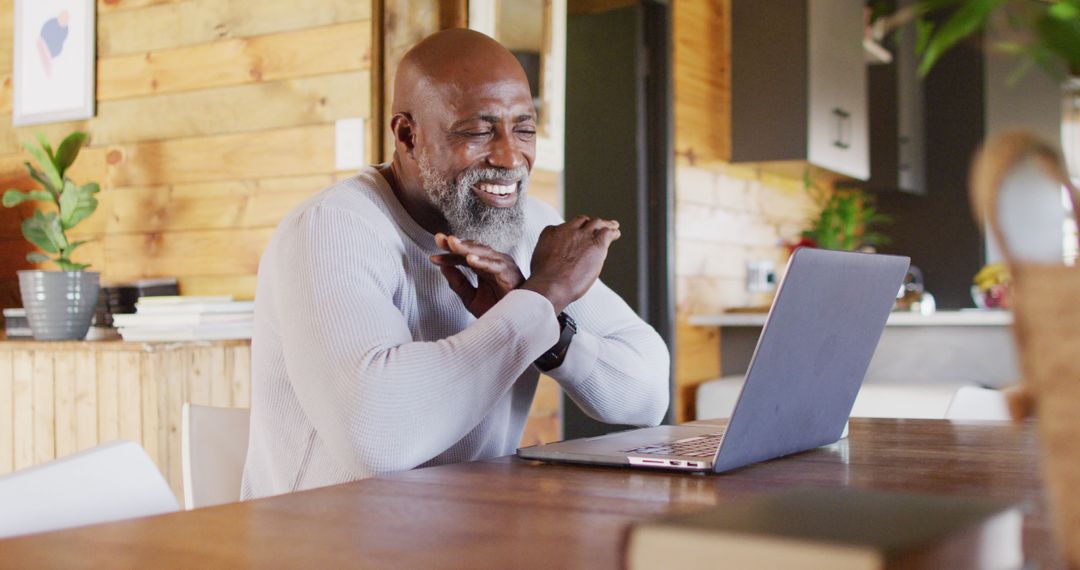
(59, 304)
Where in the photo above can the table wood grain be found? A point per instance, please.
(506, 512)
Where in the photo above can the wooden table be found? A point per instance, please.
(505, 512)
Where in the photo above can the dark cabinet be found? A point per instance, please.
(798, 84)
(897, 139)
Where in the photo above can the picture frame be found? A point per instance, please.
(487, 17)
(54, 61)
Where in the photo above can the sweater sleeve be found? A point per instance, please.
(617, 367)
(380, 400)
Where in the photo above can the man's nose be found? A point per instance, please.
(505, 153)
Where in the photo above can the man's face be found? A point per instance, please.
(475, 147)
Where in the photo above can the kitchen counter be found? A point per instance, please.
(972, 318)
(954, 347)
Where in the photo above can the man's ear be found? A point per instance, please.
(401, 124)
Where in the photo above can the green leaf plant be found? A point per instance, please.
(846, 219)
(74, 203)
(1042, 32)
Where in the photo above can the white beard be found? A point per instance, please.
(469, 217)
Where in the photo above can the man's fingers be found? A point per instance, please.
(607, 235)
(598, 223)
(579, 221)
(479, 256)
(485, 264)
(448, 259)
(490, 265)
(458, 283)
(440, 241)
(466, 247)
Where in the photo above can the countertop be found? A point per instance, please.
(964, 318)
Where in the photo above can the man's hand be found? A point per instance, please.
(568, 259)
(496, 272)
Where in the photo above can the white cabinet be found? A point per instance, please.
(798, 84)
(838, 132)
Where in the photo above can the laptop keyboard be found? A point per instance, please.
(700, 446)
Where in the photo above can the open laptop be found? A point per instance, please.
(824, 324)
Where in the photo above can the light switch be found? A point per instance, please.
(760, 276)
(349, 143)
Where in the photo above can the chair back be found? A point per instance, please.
(975, 403)
(213, 447)
(107, 483)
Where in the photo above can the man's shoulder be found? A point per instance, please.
(357, 198)
(358, 194)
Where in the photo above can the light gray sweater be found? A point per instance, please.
(365, 362)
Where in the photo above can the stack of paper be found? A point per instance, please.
(187, 318)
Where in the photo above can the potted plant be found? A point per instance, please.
(59, 304)
(845, 221)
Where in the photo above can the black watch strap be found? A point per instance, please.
(554, 357)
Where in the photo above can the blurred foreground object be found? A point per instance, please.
(1016, 182)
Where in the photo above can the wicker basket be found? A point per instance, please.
(1046, 305)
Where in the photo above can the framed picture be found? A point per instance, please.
(54, 61)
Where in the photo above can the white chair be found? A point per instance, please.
(975, 403)
(914, 401)
(111, 482)
(213, 446)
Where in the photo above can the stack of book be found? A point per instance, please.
(16, 324)
(179, 318)
(120, 298)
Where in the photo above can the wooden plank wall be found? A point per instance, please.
(59, 398)
(214, 118)
(702, 80)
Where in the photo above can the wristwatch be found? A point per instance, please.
(554, 357)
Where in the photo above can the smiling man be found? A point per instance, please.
(403, 316)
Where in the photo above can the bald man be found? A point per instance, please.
(403, 316)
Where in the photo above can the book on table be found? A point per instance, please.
(169, 319)
(834, 529)
(152, 306)
(181, 318)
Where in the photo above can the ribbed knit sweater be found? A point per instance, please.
(365, 362)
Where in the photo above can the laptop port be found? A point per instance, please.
(691, 464)
(676, 463)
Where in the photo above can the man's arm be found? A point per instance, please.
(380, 401)
(616, 367)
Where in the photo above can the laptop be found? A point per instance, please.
(821, 331)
